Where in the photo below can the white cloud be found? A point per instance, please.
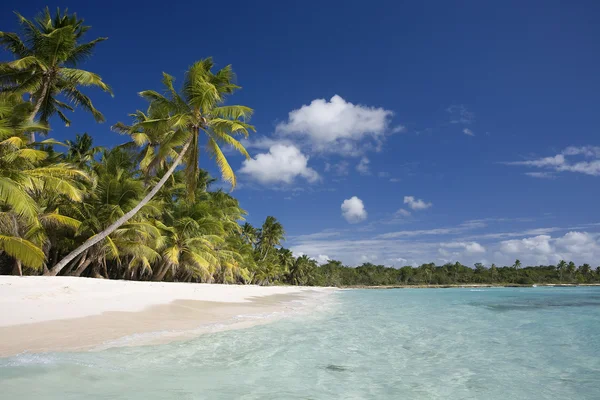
(468, 132)
(534, 245)
(541, 175)
(353, 210)
(418, 232)
(460, 115)
(282, 164)
(416, 204)
(587, 151)
(337, 125)
(322, 259)
(469, 247)
(555, 161)
(560, 163)
(363, 166)
(577, 243)
(265, 142)
(403, 213)
(423, 246)
(543, 249)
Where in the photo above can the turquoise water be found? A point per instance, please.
(531, 343)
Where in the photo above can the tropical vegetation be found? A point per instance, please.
(145, 210)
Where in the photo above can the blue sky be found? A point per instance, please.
(386, 132)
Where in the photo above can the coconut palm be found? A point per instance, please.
(81, 151)
(493, 271)
(571, 269)
(517, 264)
(249, 233)
(286, 259)
(302, 270)
(198, 109)
(271, 234)
(116, 190)
(561, 267)
(45, 65)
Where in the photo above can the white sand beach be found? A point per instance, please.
(40, 314)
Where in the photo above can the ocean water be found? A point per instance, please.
(497, 343)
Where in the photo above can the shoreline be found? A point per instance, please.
(468, 285)
(45, 314)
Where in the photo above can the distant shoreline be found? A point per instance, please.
(466, 286)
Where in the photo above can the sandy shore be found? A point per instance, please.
(40, 314)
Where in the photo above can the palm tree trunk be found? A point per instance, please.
(36, 109)
(17, 269)
(82, 267)
(161, 272)
(115, 225)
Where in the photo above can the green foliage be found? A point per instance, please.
(44, 65)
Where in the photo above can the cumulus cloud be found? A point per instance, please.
(537, 245)
(468, 132)
(363, 166)
(416, 204)
(589, 165)
(574, 245)
(337, 125)
(322, 259)
(469, 247)
(282, 164)
(577, 243)
(353, 210)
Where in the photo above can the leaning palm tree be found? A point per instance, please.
(183, 117)
(45, 65)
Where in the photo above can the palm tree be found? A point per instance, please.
(250, 234)
(45, 65)
(517, 264)
(25, 178)
(271, 234)
(116, 190)
(493, 271)
(571, 269)
(301, 271)
(561, 267)
(81, 151)
(585, 270)
(199, 108)
(286, 259)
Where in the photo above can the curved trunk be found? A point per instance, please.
(82, 267)
(36, 109)
(115, 225)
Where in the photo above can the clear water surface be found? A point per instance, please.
(530, 343)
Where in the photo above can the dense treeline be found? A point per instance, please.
(335, 274)
(144, 210)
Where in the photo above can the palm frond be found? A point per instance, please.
(226, 170)
(25, 251)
